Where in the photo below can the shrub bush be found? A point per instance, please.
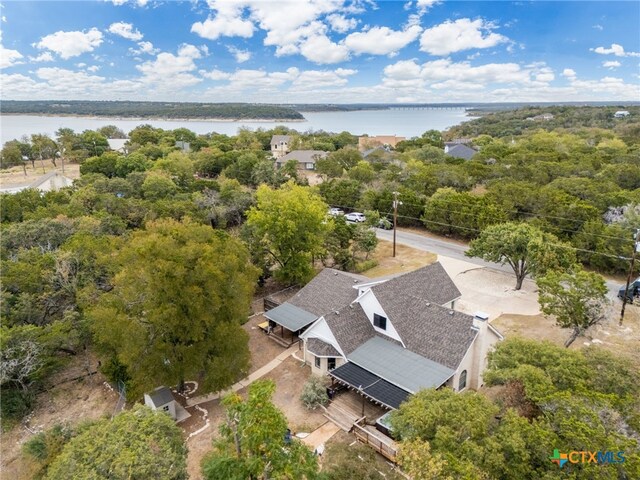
(314, 393)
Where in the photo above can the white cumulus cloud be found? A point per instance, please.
(341, 24)
(569, 73)
(382, 40)
(612, 64)
(71, 44)
(463, 34)
(320, 49)
(226, 21)
(241, 56)
(125, 30)
(9, 57)
(615, 49)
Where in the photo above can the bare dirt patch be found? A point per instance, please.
(407, 259)
(15, 176)
(67, 403)
(620, 339)
(262, 348)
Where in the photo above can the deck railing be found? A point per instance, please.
(382, 445)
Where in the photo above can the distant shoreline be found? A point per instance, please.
(166, 119)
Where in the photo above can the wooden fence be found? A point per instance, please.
(269, 304)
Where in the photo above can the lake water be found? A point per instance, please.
(396, 121)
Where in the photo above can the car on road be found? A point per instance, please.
(356, 217)
(335, 212)
(633, 292)
(385, 224)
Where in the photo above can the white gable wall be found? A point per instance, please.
(370, 305)
(321, 330)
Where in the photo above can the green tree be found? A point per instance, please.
(253, 442)
(290, 226)
(138, 444)
(577, 300)
(158, 185)
(176, 307)
(525, 248)
(362, 172)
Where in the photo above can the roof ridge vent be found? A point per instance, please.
(451, 312)
(335, 274)
(428, 304)
(337, 312)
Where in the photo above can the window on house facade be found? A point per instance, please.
(331, 363)
(310, 166)
(317, 362)
(379, 321)
(462, 383)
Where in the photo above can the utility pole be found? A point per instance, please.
(395, 219)
(636, 248)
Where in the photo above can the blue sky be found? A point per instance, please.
(320, 51)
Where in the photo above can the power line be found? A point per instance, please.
(571, 247)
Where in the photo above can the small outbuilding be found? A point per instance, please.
(621, 114)
(162, 399)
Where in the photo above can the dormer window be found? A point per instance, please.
(379, 321)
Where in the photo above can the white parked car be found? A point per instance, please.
(355, 217)
(335, 212)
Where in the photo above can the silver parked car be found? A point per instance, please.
(355, 217)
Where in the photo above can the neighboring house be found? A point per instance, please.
(366, 143)
(456, 141)
(306, 158)
(184, 146)
(368, 152)
(162, 399)
(52, 181)
(621, 114)
(541, 118)
(388, 338)
(459, 151)
(280, 145)
(118, 145)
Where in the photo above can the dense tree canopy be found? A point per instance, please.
(289, 225)
(176, 307)
(138, 444)
(549, 398)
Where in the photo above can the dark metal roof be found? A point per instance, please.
(370, 385)
(303, 156)
(321, 349)
(329, 291)
(400, 366)
(290, 317)
(161, 396)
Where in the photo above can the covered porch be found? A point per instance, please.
(286, 322)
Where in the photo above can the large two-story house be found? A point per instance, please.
(389, 338)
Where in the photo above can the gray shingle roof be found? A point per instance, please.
(161, 396)
(351, 327)
(399, 366)
(431, 330)
(329, 291)
(280, 138)
(303, 156)
(322, 349)
(461, 151)
(430, 283)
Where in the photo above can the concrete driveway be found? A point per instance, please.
(455, 251)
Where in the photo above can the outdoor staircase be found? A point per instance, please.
(341, 415)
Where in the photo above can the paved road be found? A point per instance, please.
(455, 250)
